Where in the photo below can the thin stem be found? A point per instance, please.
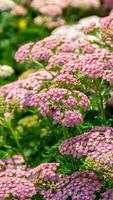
(78, 131)
(14, 135)
(38, 63)
(101, 103)
(13, 162)
(102, 109)
(66, 133)
(42, 66)
(3, 133)
(66, 136)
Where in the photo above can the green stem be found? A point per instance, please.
(3, 133)
(66, 136)
(42, 66)
(66, 133)
(14, 135)
(38, 63)
(101, 103)
(78, 130)
(102, 109)
(13, 162)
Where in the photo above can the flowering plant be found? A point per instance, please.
(67, 96)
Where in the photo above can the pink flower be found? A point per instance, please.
(85, 46)
(23, 52)
(15, 183)
(18, 95)
(44, 49)
(107, 195)
(108, 3)
(78, 185)
(95, 64)
(51, 10)
(66, 79)
(71, 118)
(60, 104)
(59, 59)
(19, 10)
(90, 27)
(97, 143)
(40, 52)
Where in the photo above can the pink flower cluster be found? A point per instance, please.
(85, 46)
(15, 183)
(51, 7)
(23, 52)
(107, 195)
(57, 51)
(97, 143)
(22, 183)
(45, 166)
(104, 163)
(19, 10)
(60, 59)
(95, 63)
(61, 104)
(45, 174)
(46, 180)
(66, 78)
(18, 95)
(44, 49)
(14, 162)
(55, 7)
(60, 55)
(90, 27)
(79, 185)
(22, 90)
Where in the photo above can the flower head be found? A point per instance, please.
(15, 183)
(107, 195)
(94, 143)
(79, 185)
(61, 105)
(23, 52)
